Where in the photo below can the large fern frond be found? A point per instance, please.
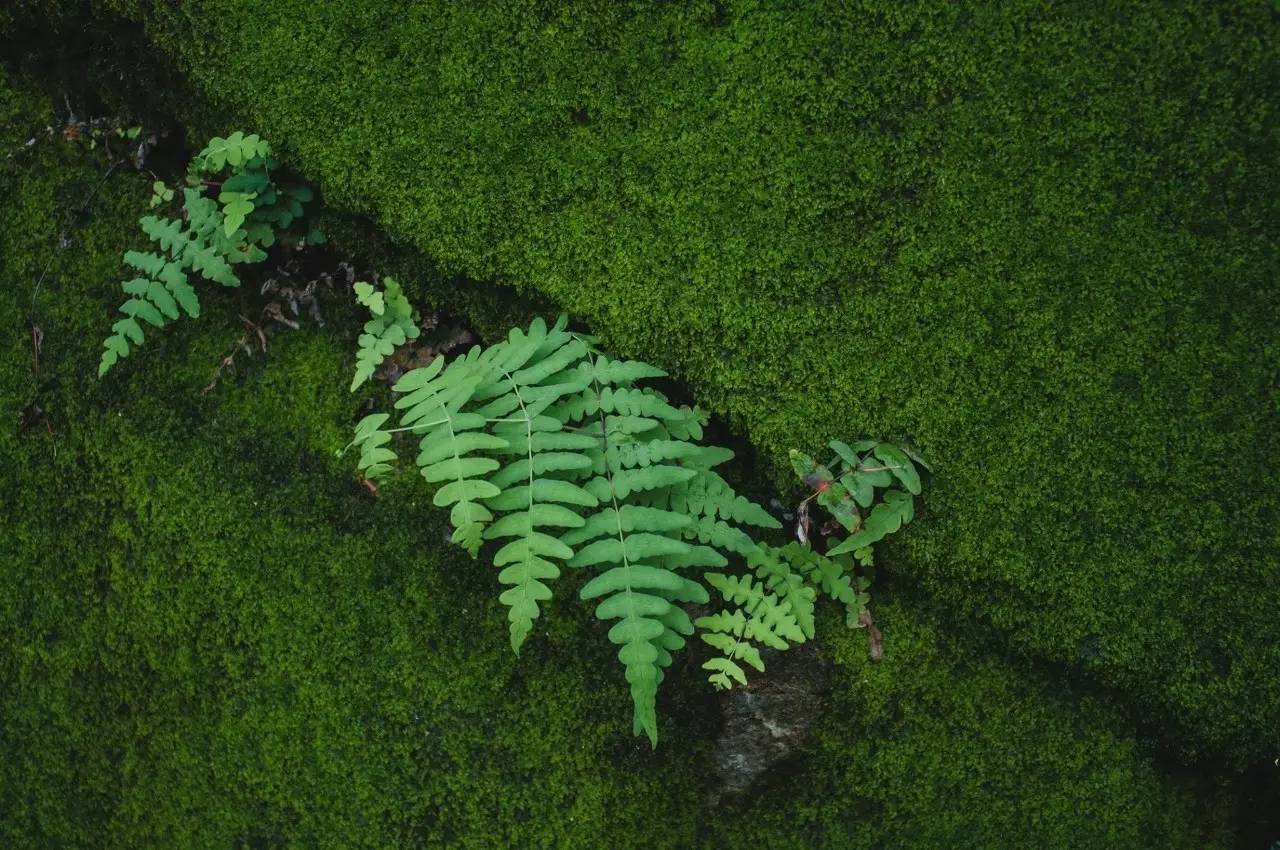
(548, 449)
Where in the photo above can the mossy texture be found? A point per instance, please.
(1037, 241)
(212, 636)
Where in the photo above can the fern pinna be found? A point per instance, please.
(210, 238)
(552, 452)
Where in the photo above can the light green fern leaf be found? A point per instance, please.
(392, 324)
(529, 559)
(775, 569)
(828, 576)
(375, 458)
(237, 149)
(759, 618)
(211, 241)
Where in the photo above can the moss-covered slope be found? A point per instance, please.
(212, 636)
(1036, 240)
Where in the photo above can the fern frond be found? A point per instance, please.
(641, 597)
(897, 509)
(708, 529)
(775, 570)
(210, 242)
(706, 494)
(620, 400)
(392, 324)
(759, 617)
(528, 559)
(824, 574)
(546, 448)
(605, 372)
(235, 150)
(375, 458)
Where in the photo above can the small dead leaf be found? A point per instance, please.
(803, 523)
(37, 344)
(875, 640)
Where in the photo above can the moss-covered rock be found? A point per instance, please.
(212, 636)
(1038, 242)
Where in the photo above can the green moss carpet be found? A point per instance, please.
(1039, 243)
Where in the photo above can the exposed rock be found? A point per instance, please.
(767, 721)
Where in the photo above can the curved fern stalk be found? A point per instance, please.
(759, 617)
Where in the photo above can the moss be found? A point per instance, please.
(1037, 242)
(210, 635)
(936, 720)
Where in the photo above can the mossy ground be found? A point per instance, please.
(1037, 241)
(212, 636)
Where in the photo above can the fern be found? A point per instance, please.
(798, 574)
(849, 485)
(550, 453)
(792, 577)
(209, 240)
(548, 450)
(758, 618)
(392, 324)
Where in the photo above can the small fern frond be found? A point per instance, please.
(209, 240)
(641, 597)
(783, 572)
(605, 372)
(832, 577)
(392, 324)
(375, 458)
(759, 617)
(235, 150)
(897, 509)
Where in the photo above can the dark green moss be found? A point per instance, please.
(211, 636)
(1038, 242)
